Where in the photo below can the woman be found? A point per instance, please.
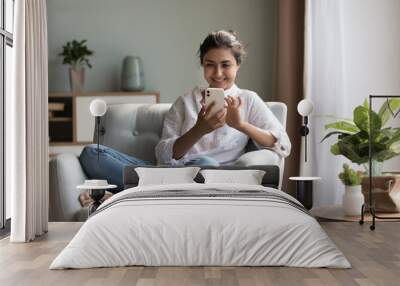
(191, 135)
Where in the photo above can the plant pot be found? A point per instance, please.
(76, 79)
(353, 200)
(385, 192)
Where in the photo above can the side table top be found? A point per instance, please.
(96, 185)
(304, 178)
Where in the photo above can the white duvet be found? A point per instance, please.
(183, 231)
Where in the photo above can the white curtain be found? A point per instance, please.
(324, 85)
(27, 125)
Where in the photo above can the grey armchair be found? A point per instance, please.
(134, 129)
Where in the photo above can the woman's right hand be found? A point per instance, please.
(206, 122)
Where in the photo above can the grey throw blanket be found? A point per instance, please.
(206, 194)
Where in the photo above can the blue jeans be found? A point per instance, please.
(111, 164)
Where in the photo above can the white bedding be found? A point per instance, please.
(181, 231)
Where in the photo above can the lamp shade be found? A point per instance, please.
(98, 107)
(305, 107)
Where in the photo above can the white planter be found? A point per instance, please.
(353, 200)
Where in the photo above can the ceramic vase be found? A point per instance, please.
(132, 74)
(76, 79)
(353, 200)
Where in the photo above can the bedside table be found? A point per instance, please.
(304, 190)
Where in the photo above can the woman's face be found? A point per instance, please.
(220, 68)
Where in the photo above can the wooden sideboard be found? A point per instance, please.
(71, 124)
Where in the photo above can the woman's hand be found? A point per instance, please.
(233, 118)
(206, 122)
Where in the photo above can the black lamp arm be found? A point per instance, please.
(98, 135)
(304, 132)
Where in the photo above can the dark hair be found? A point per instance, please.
(223, 39)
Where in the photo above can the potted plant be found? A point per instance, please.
(353, 198)
(75, 54)
(353, 143)
(353, 136)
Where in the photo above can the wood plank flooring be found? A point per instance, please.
(375, 257)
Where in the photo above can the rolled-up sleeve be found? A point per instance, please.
(171, 132)
(262, 117)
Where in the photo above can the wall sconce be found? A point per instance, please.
(304, 108)
(98, 108)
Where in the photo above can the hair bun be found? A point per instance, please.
(233, 33)
(223, 39)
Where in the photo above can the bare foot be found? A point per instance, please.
(85, 199)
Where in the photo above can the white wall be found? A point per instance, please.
(165, 34)
(372, 53)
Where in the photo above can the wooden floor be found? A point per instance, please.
(375, 257)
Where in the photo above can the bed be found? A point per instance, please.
(197, 224)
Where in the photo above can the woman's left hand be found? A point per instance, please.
(233, 118)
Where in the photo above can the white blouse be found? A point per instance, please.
(224, 144)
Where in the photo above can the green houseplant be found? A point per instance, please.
(353, 198)
(76, 53)
(350, 177)
(353, 136)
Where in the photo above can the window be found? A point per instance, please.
(6, 45)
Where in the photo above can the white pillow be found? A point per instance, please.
(165, 176)
(248, 177)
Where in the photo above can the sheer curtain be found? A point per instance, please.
(324, 75)
(27, 125)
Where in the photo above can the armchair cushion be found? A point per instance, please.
(259, 157)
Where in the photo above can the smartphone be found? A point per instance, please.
(214, 95)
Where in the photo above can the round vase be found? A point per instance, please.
(353, 200)
(132, 74)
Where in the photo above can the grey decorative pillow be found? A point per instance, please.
(163, 176)
(248, 177)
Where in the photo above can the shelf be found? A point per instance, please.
(56, 106)
(106, 93)
(61, 94)
(60, 119)
(69, 143)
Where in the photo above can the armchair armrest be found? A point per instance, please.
(262, 157)
(65, 174)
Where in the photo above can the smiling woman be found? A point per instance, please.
(192, 130)
(221, 55)
(195, 135)
(220, 68)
